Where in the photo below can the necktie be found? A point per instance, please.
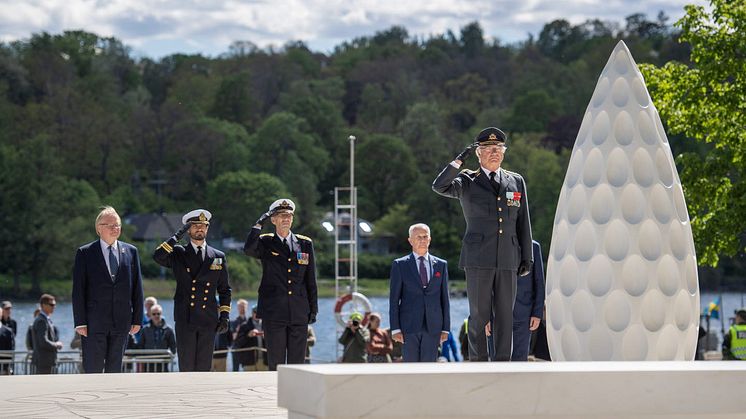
(285, 242)
(199, 254)
(423, 272)
(113, 264)
(493, 181)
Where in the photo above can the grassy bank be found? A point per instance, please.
(160, 288)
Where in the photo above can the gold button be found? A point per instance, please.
(290, 282)
(204, 306)
(192, 296)
(208, 284)
(500, 231)
(290, 293)
(191, 304)
(500, 209)
(290, 270)
(206, 291)
(194, 281)
(290, 260)
(498, 198)
(205, 298)
(500, 219)
(194, 289)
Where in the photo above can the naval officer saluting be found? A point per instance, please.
(201, 271)
(287, 294)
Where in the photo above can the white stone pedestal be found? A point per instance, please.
(515, 390)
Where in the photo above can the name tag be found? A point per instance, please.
(741, 335)
(302, 258)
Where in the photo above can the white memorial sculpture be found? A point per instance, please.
(622, 274)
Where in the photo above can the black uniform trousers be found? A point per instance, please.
(103, 351)
(491, 292)
(286, 343)
(194, 347)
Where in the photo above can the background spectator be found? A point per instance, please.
(380, 345)
(355, 338)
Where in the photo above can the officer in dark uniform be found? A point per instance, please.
(497, 242)
(287, 294)
(201, 271)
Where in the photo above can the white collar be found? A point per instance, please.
(105, 246)
(426, 255)
(203, 246)
(487, 172)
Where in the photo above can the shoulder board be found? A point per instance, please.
(300, 236)
(512, 173)
(267, 235)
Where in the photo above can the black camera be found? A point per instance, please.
(355, 323)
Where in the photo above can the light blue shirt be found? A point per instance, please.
(428, 265)
(105, 251)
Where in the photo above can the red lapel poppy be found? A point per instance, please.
(437, 274)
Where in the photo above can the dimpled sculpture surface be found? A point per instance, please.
(622, 274)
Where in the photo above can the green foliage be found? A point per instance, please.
(705, 102)
(84, 121)
(242, 197)
(385, 169)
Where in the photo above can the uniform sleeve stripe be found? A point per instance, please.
(167, 247)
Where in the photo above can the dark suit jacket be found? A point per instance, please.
(200, 285)
(287, 292)
(7, 339)
(243, 340)
(498, 229)
(411, 305)
(44, 337)
(529, 299)
(99, 303)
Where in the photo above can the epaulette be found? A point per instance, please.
(512, 173)
(300, 236)
(267, 235)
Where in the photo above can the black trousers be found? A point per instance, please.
(491, 292)
(194, 347)
(103, 351)
(286, 343)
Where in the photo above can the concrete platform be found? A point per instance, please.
(165, 395)
(515, 390)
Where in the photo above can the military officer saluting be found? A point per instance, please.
(287, 293)
(497, 243)
(201, 272)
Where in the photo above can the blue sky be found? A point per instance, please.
(155, 28)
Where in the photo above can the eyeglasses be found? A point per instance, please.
(111, 226)
(492, 149)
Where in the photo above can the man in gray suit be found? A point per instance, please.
(497, 242)
(46, 343)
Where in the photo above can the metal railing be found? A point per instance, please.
(71, 362)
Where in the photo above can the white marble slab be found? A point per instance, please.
(515, 390)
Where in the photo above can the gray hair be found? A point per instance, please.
(106, 210)
(420, 226)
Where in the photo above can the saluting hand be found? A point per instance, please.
(263, 219)
(180, 233)
(466, 153)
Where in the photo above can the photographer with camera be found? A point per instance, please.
(355, 339)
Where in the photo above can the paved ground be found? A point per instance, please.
(166, 395)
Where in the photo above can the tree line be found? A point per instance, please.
(84, 123)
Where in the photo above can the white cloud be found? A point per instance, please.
(160, 27)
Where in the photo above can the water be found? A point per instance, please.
(326, 349)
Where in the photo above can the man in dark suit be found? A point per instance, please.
(497, 243)
(250, 334)
(107, 295)
(44, 335)
(239, 357)
(7, 320)
(529, 307)
(287, 294)
(419, 305)
(201, 274)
